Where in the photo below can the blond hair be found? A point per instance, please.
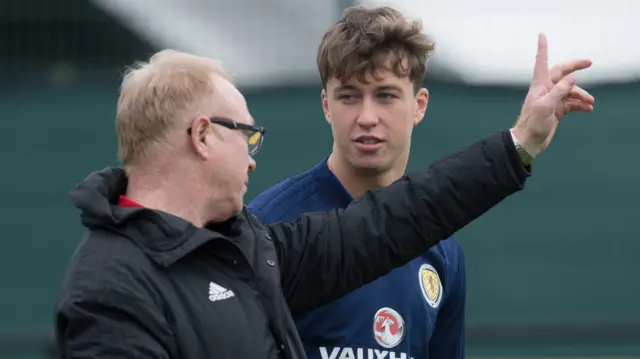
(156, 96)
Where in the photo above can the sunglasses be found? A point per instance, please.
(255, 135)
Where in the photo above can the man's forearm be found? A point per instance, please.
(388, 227)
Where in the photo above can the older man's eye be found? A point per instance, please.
(254, 137)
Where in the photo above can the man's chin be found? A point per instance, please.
(370, 165)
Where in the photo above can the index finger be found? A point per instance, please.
(541, 69)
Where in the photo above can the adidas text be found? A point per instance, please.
(218, 292)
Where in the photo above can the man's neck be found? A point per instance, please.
(159, 190)
(357, 182)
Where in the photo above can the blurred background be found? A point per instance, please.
(552, 272)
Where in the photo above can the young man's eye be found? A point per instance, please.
(386, 96)
(346, 97)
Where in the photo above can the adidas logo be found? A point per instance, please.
(217, 292)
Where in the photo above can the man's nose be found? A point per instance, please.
(252, 165)
(368, 117)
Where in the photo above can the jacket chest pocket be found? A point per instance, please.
(228, 321)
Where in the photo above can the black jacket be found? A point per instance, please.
(146, 284)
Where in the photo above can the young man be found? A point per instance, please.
(372, 63)
(417, 311)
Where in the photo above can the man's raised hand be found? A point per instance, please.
(553, 94)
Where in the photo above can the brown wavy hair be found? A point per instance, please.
(368, 39)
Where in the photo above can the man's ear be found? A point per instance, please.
(422, 100)
(200, 128)
(325, 106)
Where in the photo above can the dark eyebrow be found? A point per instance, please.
(380, 88)
(346, 87)
(389, 88)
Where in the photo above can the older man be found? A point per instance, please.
(173, 266)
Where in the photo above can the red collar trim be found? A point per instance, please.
(125, 202)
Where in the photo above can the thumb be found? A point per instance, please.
(563, 88)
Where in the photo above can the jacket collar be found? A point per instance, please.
(163, 237)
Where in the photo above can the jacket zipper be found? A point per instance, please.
(282, 347)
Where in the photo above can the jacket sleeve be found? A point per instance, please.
(325, 256)
(111, 326)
